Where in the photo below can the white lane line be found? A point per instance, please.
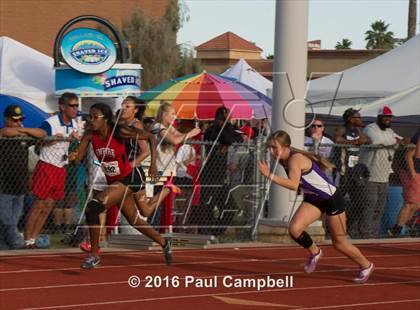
(362, 304)
(188, 256)
(197, 277)
(232, 249)
(144, 252)
(248, 260)
(217, 294)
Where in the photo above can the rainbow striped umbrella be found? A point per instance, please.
(198, 96)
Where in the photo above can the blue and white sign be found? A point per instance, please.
(120, 80)
(88, 50)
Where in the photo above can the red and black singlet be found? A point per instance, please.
(112, 155)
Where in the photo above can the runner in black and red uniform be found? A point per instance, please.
(108, 141)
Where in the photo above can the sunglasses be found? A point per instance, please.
(92, 117)
(17, 120)
(317, 126)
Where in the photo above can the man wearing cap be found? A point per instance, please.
(49, 177)
(379, 162)
(14, 173)
(346, 160)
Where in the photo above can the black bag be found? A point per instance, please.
(359, 174)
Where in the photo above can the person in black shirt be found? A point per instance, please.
(346, 159)
(14, 173)
(213, 177)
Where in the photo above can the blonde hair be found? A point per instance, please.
(283, 139)
(164, 107)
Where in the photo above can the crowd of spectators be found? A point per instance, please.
(216, 174)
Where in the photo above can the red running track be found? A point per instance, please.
(55, 281)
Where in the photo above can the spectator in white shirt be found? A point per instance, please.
(379, 162)
(48, 180)
(317, 137)
(168, 137)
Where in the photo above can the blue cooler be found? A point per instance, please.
(393, 206)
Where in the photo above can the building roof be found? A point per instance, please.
(229, 41)
(265, 66)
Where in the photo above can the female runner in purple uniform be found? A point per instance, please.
(306, 170)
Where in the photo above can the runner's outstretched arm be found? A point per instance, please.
(77, 156)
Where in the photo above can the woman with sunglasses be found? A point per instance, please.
(317, 138)
(108, 142)
(305, 171)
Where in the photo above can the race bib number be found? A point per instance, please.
(149, 190)
(111, 168)
(353, 160)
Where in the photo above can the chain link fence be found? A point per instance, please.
(374, 180)
(223, 194)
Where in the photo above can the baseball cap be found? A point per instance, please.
(247, 131)
(14, 111)
(385, 110)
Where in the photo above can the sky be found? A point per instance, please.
(329, 20)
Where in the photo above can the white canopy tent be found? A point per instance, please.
(27, 74)
(244, 73)
(390, 73)
(405, 103)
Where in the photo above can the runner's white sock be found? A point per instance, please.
(30, 241)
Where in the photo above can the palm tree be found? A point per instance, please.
(345, 44)
(412, 18)
(379, 37)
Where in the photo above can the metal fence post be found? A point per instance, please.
(259, 203)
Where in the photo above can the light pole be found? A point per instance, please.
(288, 114)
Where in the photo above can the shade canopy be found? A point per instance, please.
(27, 74)
(198, 96)
(244, 73)
(405, 103)
(388, 74)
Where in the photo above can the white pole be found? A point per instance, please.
(289, 84)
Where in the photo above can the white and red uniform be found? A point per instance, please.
(112, 155)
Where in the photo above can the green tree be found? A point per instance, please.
(345, 44)
(187, 63)
(379, 37)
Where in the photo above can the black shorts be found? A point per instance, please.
(136, 180)
(333, 206)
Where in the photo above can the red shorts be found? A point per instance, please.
(111, 218)
(411, 187)
(48, 181)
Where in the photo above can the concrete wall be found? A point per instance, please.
(228, 54)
